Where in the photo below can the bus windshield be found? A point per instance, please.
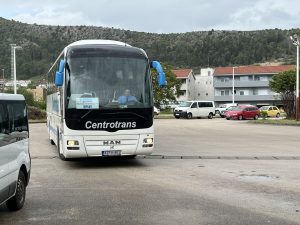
(97, 79)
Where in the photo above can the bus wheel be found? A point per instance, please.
(17, 202)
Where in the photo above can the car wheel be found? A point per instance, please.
(227, 118)
(217, 112)
(278, 115)
(210, 116)
(17, 202)
(177, 117)
(222, 116)
(240, 117)
(256, 117)
(189, 115)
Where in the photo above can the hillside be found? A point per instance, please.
(41, 45)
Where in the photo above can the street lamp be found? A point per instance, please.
(2, 79)
(296, 42)
(13, 48)
(233, 73)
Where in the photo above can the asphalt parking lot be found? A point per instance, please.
(202, 172)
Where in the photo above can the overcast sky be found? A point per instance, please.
(159, 16)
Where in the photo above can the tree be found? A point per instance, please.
(284, 83)
(170, 91)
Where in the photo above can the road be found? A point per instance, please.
(202, 172)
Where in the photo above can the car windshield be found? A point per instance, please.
(236, 108)
(185, 104)
(230, 108)
(264, 108)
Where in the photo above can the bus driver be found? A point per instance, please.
(127, 98)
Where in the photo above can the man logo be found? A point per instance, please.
(111, 142)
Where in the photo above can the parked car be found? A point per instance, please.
(243, 112)
(15, 160)
(220, 110)
(156, 111)
(223, 113)
(190, 109)
(272, 111)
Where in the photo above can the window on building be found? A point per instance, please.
(250, 77)
(198, 94)
(256, 77)
(226, 92)
(206, 94)
(222, 93)
(255, 91)
(242, 93)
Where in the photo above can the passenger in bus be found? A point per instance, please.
(127, 98)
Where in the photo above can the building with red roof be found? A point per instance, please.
(188, 84)
(251, 84)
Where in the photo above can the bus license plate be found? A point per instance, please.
(111, 153)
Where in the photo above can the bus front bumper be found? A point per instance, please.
(99, 146)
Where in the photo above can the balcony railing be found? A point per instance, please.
(228, 98)
(256, 83)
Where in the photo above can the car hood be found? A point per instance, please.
(182, 108)
(233, 112)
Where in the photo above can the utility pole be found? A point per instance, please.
(233, 71)
(14, 69)
(296, 42)
(3, 80)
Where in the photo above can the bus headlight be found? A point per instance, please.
(148, 142)
(72, 143)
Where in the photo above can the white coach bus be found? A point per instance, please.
(100, 100)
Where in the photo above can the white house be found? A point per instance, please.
(188, 84)
(204, 88)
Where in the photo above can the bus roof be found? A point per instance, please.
(4, 96)
(97, 42)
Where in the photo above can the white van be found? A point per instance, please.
(15, 160)
(190, 109)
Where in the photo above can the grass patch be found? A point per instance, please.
(164, 116)
(283, 122)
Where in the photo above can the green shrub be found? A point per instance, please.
(263, 114)
(35, 113)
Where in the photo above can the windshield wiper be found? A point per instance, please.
(88, 112)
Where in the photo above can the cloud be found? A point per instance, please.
(159, 16)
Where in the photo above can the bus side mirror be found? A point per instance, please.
(59, 76)
(161, 75)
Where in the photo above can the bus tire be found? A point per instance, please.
(17, 202)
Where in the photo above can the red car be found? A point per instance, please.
(243, 112)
